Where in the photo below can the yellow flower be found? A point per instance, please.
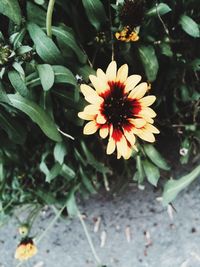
(127, 35)
(118, 109)
(26, 249)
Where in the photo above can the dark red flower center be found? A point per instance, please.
(117, 107)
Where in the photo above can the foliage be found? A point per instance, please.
(44, 157)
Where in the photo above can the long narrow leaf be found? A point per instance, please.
(37, 114)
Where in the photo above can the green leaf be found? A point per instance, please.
(18, 67)
(18, 83)
(95, 12)
(54, 172)
(173, 187)
(160, 9)
(11, 9)
(152, 172)
(195, 64)
(68, 39)
(71, 203)
(155, 157)
(85, 71)
(186, 147)
(150, 62)
(64, 75)
(23, 49)
(37, 114)
(189, 26)
(184, 93)
(40, 2)
(15, 131)
(68, 172)
(33, 80)
(3, 96)
(87, 182)
(2, 173)
(166, 50)
(99, 166)
(47, 197)
(17, 38)
(36, 14)
(43, 167)
(140, 176)
(59, 152)
(45, 47)
(46, 75)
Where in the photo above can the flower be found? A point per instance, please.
(118, 109)
(26, 249)
(131, 14)
(127, 35)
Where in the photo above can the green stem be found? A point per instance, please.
(111, 33)
(51, 224)
(89, 240)
(49, 17)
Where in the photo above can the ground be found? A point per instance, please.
(134, 231)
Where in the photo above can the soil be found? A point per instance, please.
(129, 230)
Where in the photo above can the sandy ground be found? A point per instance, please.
(134, 231)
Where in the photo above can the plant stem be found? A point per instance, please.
(49, 17)
(89, 240)
(51, 224)
(111, 33)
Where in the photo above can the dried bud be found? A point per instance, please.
(5, 54)
(101, 37)
(132, 13)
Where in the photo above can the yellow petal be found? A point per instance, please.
(135, 148)
(139, 91)
(100, 85)
(131, 82)
(102, 76)
(122, 146)
(130, 137)
(111, 71)
(128, 154)
(85, 116)
(138, 123)
(146, 118)
(147, 112)
(146, 135)
(151, 128)
(119, 155)
(147, 100)
(103, 132)
(100, 119)
(134, 37)
(111, 146)
(90, 95)
(25, 251)
(122, 73)
(90, 128)
(91, 109)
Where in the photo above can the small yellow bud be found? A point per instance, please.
(23, 230)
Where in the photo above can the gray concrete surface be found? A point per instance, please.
(135, 231)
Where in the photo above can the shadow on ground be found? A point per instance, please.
(134, 231)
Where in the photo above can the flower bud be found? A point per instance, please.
(23, 230)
